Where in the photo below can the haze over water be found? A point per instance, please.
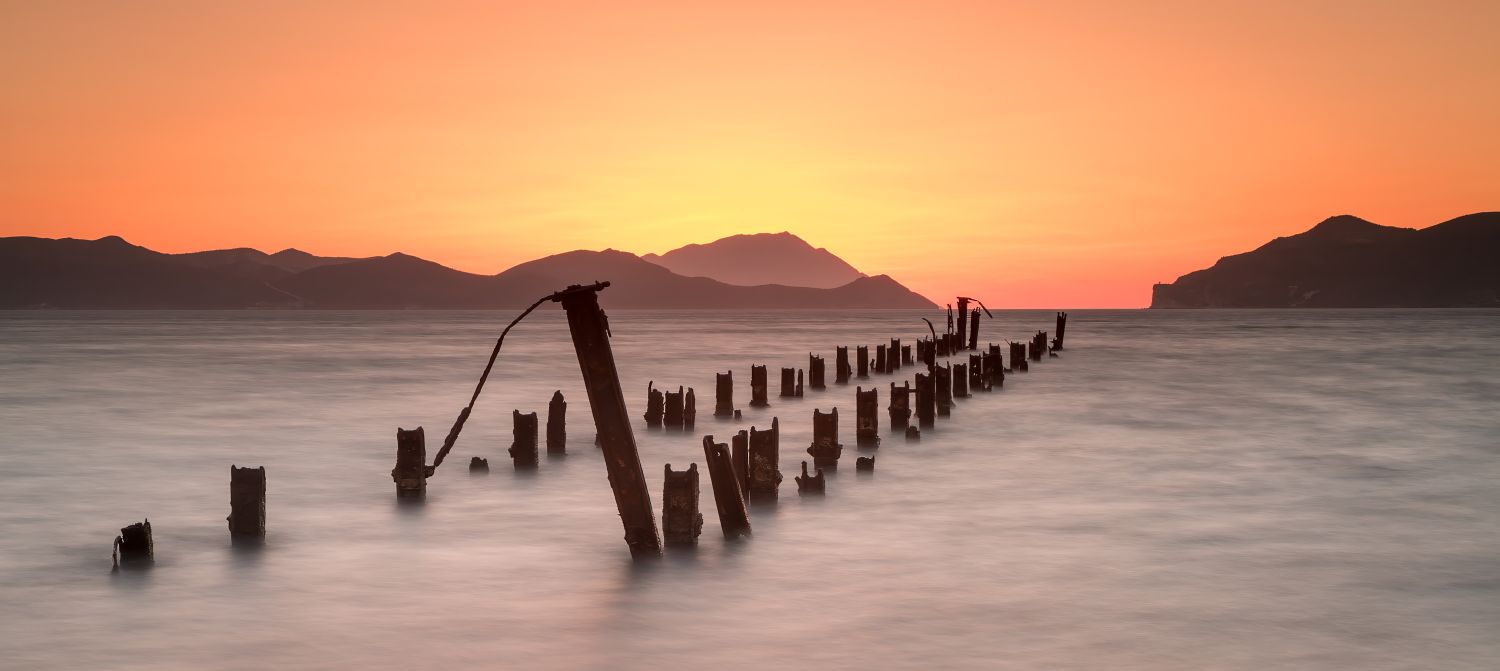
(1179, 490)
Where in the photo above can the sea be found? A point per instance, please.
(1211, 489)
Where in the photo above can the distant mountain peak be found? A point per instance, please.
(754, 259)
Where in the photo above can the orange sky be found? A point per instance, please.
(1062, 154)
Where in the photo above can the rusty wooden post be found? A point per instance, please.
(410, 472)
(926, 399)
(479, 465)
(841, 365)
(906, 355)
(247, 503)
(788, 382)
(739, 459)
(974, 330)
(865, 464)
(963, 322)
(810, 484)
(893, 356)
(862, 366)
(672, 409)
(976, 373)
(765, 462)
(825, 448)
(734, 520)
(799, 383)
(900, 407)
(943, 380)
(1062, 326)
(597, 362)
(654, 404)
(960, 380)
(681, 523)
(815, 371)
(866, 417)
(134, 547)
(758, 387)
(880, 363)
(724, 394)
(523, 440)
(689, 410)
(557, 424)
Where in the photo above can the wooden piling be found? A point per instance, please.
(410, 472)
(734, 519)
(862, 366)
(247, 503)
(963, 322)
(788, 382)
(976, 373)
(940, 346)
(1062, 325)
(810, 484)
(881, 366)
(134, 547)
(960, 380)
(799, 383)
(689, 411)
(739, 458)
(841, 365)
(994, 369)
(765, 462)
(815, 371)
(758, 387)
(557, 424)
(900, 407)
(866, 417)
(523, 440)
(906, 355)
(943, 379)
(724, 394)
(926, 399)
(681, 523)
(654, 404)
(913, 434)
(672, 409)
(893, 356)
(479, 465)
(974, 330)
(825, 448)
(865, 464)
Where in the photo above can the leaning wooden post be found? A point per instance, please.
(247, 503)
(134, 547)
(866, 421)
(943, 379)
(862, 367)
(733, 517)
(758, 387)
(788, 382)
(681, 523)
(1062, 326)
(893, 356)
(672, 409)
(765, 462)
(900, 408)
(880, 363)
(825, 448)
(739, 459)
(841, 365)
(557, 424)
(654, 405)
(815, 371)
(410, 472)
(974, 330)
(724, 394)
(523, 440)
(689, 410)
(597, 362)
(926, 399)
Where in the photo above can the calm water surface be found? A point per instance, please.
(1180, 490)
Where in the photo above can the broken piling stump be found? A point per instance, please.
(681, 523)
(557, 424)
(523, 440)
(900, 407)
(963, 322)
(943, 380)
(906, 355)
(960, 380)
(479, 465)
(974, 330)
(134, 547)
(825, 448)
(724, 394)
(866, 419)
(733, 517)
(810, 484)
(994, 369)
(654, 405)
(893, 356)
(689, 410)
(913, 434)
(880, 363)
(926, 399)
(976, 373)
(862, 353)
(788, 382)
(865, 464)
(410, 472)
(815, 371)
(765, 462)
(841, 365)
(758, 387)
(247, 503)
(1062, 325)
(672, 409)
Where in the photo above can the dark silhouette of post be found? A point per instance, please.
(689, 410)
(893, 356)
(974, 330)
(900, 407)
(557, 424)
(926, 400)
(247, 503)
(758, 387)
(1062, 326)
(880, 363)
(963, 320)
(764, 469)
(943, 379)
(672, 409)
(724, 394)
(960, 380)
(810, 484)
(825, 448)
(862, 352)
(681, 523)
(788, 382)
(841, 365)
(815, 371)
(523, 440)
(410, 472)
(590, 333)
(866, 417)
(976, 373)
(655, 405)
(134, 547)
(733, 517)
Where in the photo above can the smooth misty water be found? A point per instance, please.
(1180, 490)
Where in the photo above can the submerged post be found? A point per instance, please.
(862, 367)
(926, 399)
(689, 410)
(841, 365)
(764, 471)
(247, 503)
(976, 373)
(943, 379)
(974, 330)
(681, 523)
(523, 440)
(866, 422)
(724, 394)
(963, 321)
(900, 407)
(893, 356)
(655, 405)
(799, 383)
(134, 547)
(960, 380)
(815, 371)
(557, 431)
(881, 366)
(1062, 325)
(590, 333)
(825, 448)
(788, 382)
(672, 410)
(733, 518)
(758, 387)
(906, 355)
(410, 472)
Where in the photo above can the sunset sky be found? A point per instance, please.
(1045, 154)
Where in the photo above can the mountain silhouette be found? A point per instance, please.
(760, 258)
(1346, 261)
(111, 273)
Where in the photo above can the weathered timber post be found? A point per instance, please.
(865, 464)
(976, 373)
(672, 409)
(758, 387)
(410, 472)
(1018, 357)
(866, 422)
(825, 448)
(733, 518)
(815, 371)
(929, 354)
(479, 465)
(1040, 345)
(1062, 327)
(963, 321)
(765, 462)
(799, 383)
(788, 382)
(134, 547)
(994, 369)
(906, 355)
(943, 380)
(810, 484)
(880, 363)
(654, 405)
(557, 424)
(900, 407)
(974, 330)
(739, 459)
(926, 399)
(597, 362)
(862, 367)
(681, 523)
(523, 440)
(960, 380)
(247, 503)
(941, 344)
(689, 410)
(893, 356)
(841, 365)
(724, 394)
